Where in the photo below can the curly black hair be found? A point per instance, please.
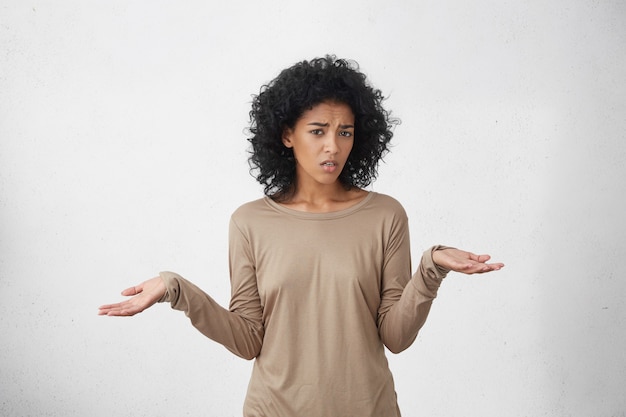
(299, 88)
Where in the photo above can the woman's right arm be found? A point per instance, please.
(240, 333)
(239, 329)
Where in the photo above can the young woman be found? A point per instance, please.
(320, 268)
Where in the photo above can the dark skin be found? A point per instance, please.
(321, 140)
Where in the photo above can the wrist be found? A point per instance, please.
(439, 258)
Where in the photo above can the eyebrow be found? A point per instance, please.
(326, 125)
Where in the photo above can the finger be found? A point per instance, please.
(106, 309)
(477, 268)
(108, 306)
(113, 313)
(117, 309)
(122, 311)
(479, 258)
(483, 258)
(490, 267)
(133, 290)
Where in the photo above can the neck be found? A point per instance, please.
(321, 198)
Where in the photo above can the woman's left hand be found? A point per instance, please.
(465, 262)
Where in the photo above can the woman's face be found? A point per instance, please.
(321, 141)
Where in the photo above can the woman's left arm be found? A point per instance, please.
(406, 299)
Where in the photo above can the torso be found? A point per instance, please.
(320, 279)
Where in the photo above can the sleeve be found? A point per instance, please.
(405, 299)
(240, 328)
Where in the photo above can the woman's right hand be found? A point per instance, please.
(143, 296)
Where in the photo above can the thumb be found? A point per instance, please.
(133, 290)
(483, 258)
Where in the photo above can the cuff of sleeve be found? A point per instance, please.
(172, 287)
(441, 271)
(431, 273)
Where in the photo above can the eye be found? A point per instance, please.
(317, 132)
(345, 133)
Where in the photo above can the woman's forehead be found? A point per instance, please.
(330, 109)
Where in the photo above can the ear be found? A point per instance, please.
(287, 133)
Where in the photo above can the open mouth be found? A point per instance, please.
(329, 166)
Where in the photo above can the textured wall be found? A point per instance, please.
(123, 153)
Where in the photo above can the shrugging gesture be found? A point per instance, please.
(320, 268)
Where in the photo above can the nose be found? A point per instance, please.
(330, 144)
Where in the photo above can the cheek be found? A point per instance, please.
(302, 152)
(349, 147)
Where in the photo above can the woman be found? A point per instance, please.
(320, 268)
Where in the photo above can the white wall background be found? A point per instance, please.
(122, 153)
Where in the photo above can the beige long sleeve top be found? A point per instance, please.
(315, 296)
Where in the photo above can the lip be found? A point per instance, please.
(329, 165)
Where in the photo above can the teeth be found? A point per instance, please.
(329, 164)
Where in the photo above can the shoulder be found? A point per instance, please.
(245, 217)
(250, 206)
(249, 211)
(387, 204)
